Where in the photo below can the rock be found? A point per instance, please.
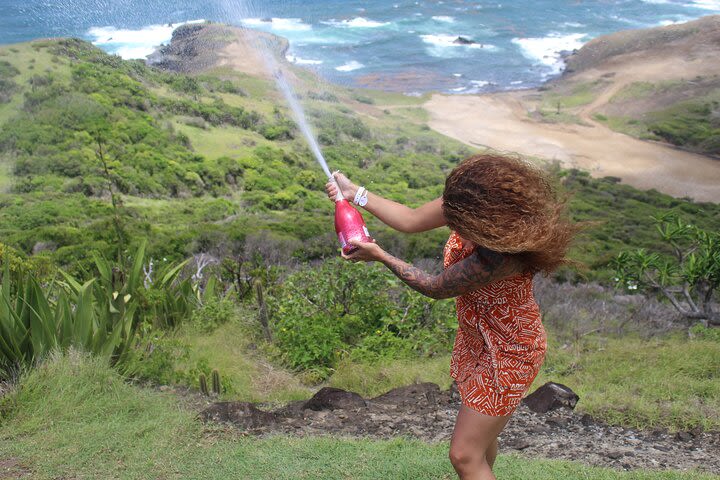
(551, 396)
(559, 422)
(517, 444)
(615, 455)
(243, 414)
(683, 436)
(416, 394)
(330, 398)
(587, 420)
(454, 392)
(463, 41)
(44, 247)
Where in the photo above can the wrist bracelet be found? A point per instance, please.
(362, 201)
(358, 195)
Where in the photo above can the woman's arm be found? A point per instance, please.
(480, 268)
(393, 214)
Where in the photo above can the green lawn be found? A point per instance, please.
(75, 418)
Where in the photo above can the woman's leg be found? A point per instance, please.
(491, 453)
(474, 443)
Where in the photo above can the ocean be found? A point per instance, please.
(454, 46)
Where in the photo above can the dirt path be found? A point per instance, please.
(501, 121)
(424, 411)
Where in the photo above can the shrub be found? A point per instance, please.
(322, 314)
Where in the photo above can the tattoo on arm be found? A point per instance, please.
(480, 268)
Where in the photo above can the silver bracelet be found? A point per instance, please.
(358, 195)
(361, 198)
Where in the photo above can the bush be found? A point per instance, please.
(322, 314)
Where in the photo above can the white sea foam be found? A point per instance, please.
(445, 46)
(444, 40)
(357, 22)
(302, 61)
(278, 24)
(130, 43)
(547, 50)
(457, 74)
(516, 82)
(705, 4)
(444, 18)
(350, 66)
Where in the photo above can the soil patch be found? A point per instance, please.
(12, 468)
(425, 412)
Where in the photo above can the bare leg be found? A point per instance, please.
(491, 453)
(474, 443)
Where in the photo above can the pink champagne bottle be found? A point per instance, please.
(349, 224)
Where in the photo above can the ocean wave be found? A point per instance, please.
(128, 43)
(705, 4)
(548, 50)
(278, 24)
(350, 66)
(444, 18)
(357, 22)
(302, 61)
(444, 40)
(446, 46)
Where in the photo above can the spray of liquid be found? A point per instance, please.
(349, 224)
(302, 122)
(239, 9)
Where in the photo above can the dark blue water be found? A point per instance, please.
(404, 45)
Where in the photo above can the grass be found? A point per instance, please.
(215, 142)
(626, 125)
(575, 95)
(671, 382)
(253, 379)
(74, 417)
(371, 380)
(639, 90)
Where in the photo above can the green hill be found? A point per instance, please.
(197, 163)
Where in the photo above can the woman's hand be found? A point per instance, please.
(348, 188)
(364, 252)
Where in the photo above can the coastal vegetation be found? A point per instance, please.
(175, 225)
(129, 431)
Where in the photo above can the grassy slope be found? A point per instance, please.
(74, 417)
(625, 381)
(401, 159)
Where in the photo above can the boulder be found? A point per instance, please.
(244, 415)
(551, 396)
(463, 41)
(425, 394)
(329, 398)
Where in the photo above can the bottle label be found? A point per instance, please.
(366, 231)
(341, 237)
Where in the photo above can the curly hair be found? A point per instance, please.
(508, 206)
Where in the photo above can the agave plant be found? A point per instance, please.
(100, 316)
(36, 320)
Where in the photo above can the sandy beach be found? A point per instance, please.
(501, 121)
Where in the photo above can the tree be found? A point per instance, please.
(688, 276)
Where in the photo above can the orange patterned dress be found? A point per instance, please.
(500, 343)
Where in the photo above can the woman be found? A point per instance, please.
(507, 224)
